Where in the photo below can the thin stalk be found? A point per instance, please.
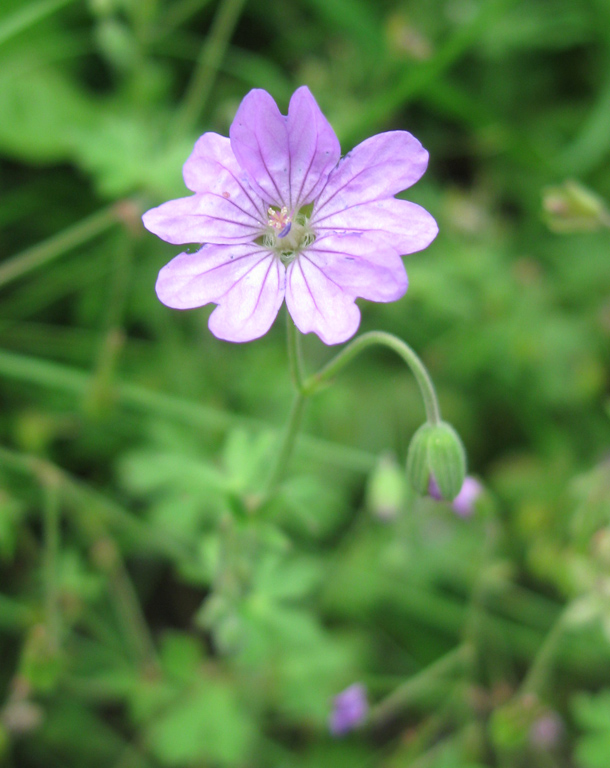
(208, 64)
(32, 258)
(101, 390)
(51, 522)
(402, 349)
(287, 447)
(92, 508)
(412, 689)
(127, 604)
(295, 360)
(542, 666)
(26, 16)
(74, 382)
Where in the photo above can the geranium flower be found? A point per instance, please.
(279, 215)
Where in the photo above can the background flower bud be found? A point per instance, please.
(571, 207)
(386, 488)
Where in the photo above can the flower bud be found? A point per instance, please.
(437, 451)
(386, 488)
(571, 207)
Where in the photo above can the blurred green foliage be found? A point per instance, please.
(152, 612)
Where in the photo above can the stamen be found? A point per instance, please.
(279, 220)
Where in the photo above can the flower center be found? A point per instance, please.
(279, 220)
(288, 234)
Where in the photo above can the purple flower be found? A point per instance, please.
(464, 502)
(350, 709)
(547, 731)
(281, 216)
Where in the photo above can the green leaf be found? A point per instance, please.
(206, 724)
(41, 114)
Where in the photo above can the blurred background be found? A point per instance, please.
(147, 617)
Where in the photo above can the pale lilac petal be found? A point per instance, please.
(361, 266)
(319, 305)
(379, 167)
(249, 308)
(314, 148)
(404, 225)
(288, 158)
(194, 279)
(205, 218)
(212, 167)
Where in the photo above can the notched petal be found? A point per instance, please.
(317, 304)
(379, 167)
(287, 158)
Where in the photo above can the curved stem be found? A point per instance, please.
(313, 383)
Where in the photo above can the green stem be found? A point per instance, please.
(93, 509)
(74, 383)
(542, 666)
(127, 604)
(412, 689)
(322, 377)
(288, 443)
(31, 259)
(101, 391)
(51, 506)
(294, 353)
(208, 64)
(26, 16)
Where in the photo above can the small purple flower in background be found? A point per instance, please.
(547, 731)
(350, 709)
(279, 215)
(464, 502)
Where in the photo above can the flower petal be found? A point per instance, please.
(248, 309)
(287, 159)
(361, 266)
(212, 167)
(407, 227)
(316, 303)
(194, 279)
(313, 145)
(206, 218)
(377, 168)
